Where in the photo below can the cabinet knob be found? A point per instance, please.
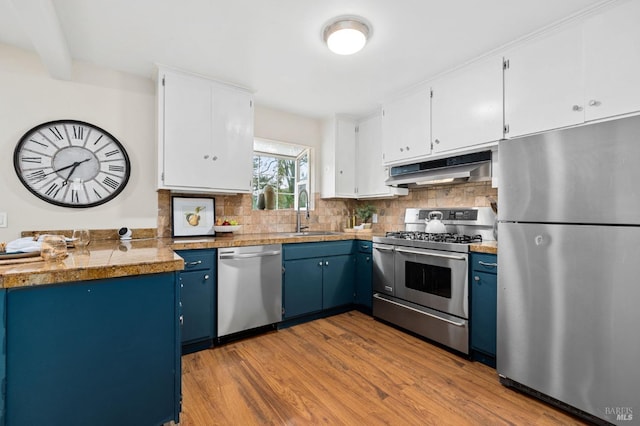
(407, 148)
(206, 277)
(214, 158)
(326, 263)
(437, 141)
(594, 102)
(206, 156)
(368, 258)
(576, 108)
(340, 171)
(476, 278)
(320, 264)
(401, 149)
(181, 320)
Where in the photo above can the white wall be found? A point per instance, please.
(120, 103)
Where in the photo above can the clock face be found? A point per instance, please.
(71, 163)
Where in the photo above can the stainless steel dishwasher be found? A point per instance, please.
(249, 287)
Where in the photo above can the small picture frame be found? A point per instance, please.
(193, 217)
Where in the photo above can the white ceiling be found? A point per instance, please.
(275, 47)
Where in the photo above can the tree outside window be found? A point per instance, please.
(287, 174)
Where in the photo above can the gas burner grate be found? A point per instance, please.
(438, 238)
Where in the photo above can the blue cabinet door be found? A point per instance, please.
(364, 274)
(484, 289)
(100, 352)
(197, 306)
(302, 287)
(338, 281)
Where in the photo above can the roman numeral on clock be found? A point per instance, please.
(37, 175)
(110, 153)
(110, 182)
(78, 132)
(32, 159)
(97, 193)
(56, 133)
(74, 196)
(52, 190)
(114, 168)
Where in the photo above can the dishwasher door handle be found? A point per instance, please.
(231, 255)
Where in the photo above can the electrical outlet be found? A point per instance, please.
(374, 218)
(3, 220)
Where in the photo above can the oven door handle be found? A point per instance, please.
(457, 324)
(447, 256)
(383, 248)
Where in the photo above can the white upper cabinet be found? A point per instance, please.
(370, 173)
(466, 106)
(543, 83)
(406, 127)
(612, 61)
(338, 158)
(205, 134)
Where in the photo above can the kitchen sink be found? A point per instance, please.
(308, 233)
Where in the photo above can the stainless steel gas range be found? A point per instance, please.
(420, 279)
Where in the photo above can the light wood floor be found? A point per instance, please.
(351, 370)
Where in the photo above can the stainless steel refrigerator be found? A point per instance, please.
(569, 270)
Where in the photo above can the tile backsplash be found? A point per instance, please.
(332, 214)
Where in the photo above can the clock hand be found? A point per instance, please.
(74, 166)
(68, 167)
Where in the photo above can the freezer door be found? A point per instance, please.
(568, 314)
(586, 174)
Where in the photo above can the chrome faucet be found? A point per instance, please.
(299, 226)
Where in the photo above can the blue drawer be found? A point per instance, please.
(320, 249)
(484, 262)
(195, 260)
(364, 246)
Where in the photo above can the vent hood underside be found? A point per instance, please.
(471, 168)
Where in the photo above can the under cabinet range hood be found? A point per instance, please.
(475, 167)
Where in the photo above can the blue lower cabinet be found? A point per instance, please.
(3, 358)
(484, 291)
(302, 287)
(100, 352)
(364, 275)
(198, 299)
(338, 277)
(317, 277)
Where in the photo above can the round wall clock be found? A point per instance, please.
(71, 163)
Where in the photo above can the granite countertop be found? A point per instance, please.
(101, 259)
(490, 247)
(186, 243)
(113, 258)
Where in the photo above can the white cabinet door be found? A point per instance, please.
(466, 106)
(186, 140)
(205, 135)
(370, 173)
(543, 83)
(345, 157)
(612, 61)
(406, 127)
(337, 158)
(232, 144)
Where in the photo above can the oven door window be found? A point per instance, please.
(430, 279)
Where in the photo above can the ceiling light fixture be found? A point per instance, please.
(346, 35)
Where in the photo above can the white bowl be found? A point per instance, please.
(226, 228)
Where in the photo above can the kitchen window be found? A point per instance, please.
(283, 166)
